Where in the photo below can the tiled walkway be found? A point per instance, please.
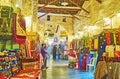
(59, 70)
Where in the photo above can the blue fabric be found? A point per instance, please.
(81, 58)
(89, 59)
(103, 47)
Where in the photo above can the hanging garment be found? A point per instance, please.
(6, 23)
(71, 45)
(110, 50)
(81, 58)
(23, 50)
(84, 62)
(117, 47)
(92, 43)
(95, 43)
(118, 38)
(78, 63)
(19, 30)
(116, 70)
(89, 59)
(108, 42)
(102, 40)
(117, 54)
(101, 70)
(89, 43)
(114, 38)
(110, 69)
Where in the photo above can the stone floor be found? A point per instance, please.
(58, 69)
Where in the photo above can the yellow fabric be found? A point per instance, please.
(95, 43)
(110, 50)
(114, 39)
(117, 48)
(20, 31)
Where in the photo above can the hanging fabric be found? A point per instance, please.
(6, 23)
(119, 38)
(108, 42)
(19, 29)
(115, 40)
(96, 43)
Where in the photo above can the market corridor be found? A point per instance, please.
(58, 69)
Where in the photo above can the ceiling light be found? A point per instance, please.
(118, 14)
(107, 20)
(17, 5)
(64, 3)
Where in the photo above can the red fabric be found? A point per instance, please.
(72, 54)
(117, 53)
(108, 42)
(78, 62)
(3, 77)
(84, 62)
(32, 74)
(16, 38)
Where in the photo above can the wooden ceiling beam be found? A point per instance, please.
(47, 4)
(78, 6)
(75, 17)
(60, 10)
(100, 1)
(42, 15)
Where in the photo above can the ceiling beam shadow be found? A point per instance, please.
(78, 6)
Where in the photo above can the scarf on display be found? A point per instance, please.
(6, 23)
(96, 43)
(108, 42)
(84, 62)
(19, 30)
(114, 38)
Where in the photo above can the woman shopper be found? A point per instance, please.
(44, 54)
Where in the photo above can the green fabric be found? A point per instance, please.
(6, 23)
(6, 11)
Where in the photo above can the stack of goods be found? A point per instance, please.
(30, 63)
(13, 62)
(28, 74)
(5, 67)
(9, 65)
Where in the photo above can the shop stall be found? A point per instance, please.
(18, 58)
(108, 55)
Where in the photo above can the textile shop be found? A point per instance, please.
(99, 54)
(18, 57)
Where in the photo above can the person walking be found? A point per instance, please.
(44, 54)
(54, 52)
